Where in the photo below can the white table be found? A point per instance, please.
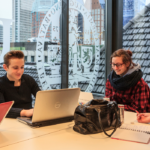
(62, 137)
(12, 131)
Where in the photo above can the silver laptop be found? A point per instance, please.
(53, 106)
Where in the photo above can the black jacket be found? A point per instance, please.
(21, 95)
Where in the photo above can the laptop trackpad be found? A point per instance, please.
(25, 119)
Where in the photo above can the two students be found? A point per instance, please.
(17, 86)
(124, 85)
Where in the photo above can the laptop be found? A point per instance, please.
(4, 109)
(53, 107)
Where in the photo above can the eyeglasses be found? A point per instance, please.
(117, 65)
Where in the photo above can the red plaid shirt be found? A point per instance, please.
(135, 98)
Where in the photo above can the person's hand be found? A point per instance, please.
(143, 117)
(26, 113)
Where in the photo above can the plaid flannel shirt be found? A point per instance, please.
(135, 98)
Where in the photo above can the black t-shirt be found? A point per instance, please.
(21, 95)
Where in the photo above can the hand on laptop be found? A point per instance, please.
(143, 117)
(26, 113)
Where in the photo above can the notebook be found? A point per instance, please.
(53, 107)
(139, 133)
(4, 109)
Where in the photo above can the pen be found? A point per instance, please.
(137, 112)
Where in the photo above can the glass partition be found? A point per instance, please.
(36, 29)
(86, 45)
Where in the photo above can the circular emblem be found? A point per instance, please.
(57, 105)
(81, 57)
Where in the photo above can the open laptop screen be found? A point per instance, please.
(53, 106)
(4, 109)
